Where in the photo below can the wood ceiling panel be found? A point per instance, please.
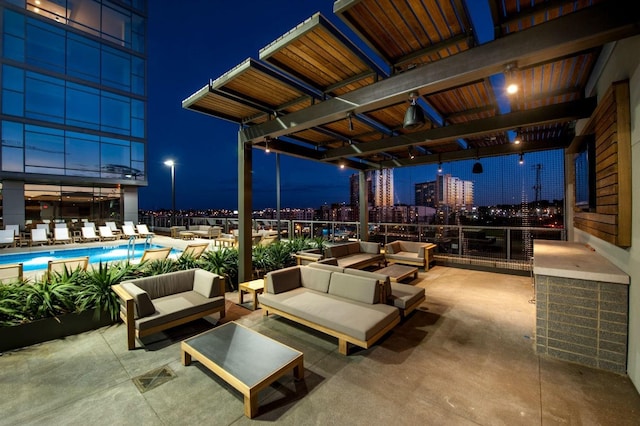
(316, 53)
(518, 15)
(398, 29)
(476, 98)
(554, 82)
(263, 88)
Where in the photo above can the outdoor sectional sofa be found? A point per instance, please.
(356, 254)
(156, 303)
(205, 231)
(348, 306)
(410, 253)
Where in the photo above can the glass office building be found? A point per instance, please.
(73, 109)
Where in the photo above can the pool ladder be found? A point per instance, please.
(131, 245)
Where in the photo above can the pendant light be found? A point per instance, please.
(414, 117)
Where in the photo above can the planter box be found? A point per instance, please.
(46, 329)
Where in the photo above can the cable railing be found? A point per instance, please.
(503, 247)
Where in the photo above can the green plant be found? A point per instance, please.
(320, 243)
(157, 267)
(51, 296)
(95, 292)
(260, 260)
(280, 255)
(223, 262)
(12, 304)
(298, 244)
(186, 262)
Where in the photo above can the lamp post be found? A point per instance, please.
(172, 164)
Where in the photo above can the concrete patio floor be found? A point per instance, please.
(464, 357)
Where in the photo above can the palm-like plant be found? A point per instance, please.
(157, 267)
(186, 262)
(12, 304)
(281, 255)
(95, 292)
(223, 262)
(52, 296)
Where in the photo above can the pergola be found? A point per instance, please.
(314, 93)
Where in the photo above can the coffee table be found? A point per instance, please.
(186, 235)
(247, 360)
(254, 287)
(397, 273)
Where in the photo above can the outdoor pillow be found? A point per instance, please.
(283, 280)
(360, 289)
(315, 279)
(206, 283)
(142, 301)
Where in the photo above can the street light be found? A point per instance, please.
(172, 164)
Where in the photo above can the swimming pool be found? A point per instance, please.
(33, 261)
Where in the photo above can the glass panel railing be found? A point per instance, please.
(498, 244)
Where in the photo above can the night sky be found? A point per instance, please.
(192, 41)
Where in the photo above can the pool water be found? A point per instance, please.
(38, 260)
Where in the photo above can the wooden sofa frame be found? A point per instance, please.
(128, 316)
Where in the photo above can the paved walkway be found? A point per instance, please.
(465, 357)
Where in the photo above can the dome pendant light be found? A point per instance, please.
(477, 167)
(414, 117)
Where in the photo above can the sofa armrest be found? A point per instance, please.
(329, 261)
(128, 316)
(392, 248)
(311, 255)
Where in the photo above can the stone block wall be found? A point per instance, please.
(582, 321)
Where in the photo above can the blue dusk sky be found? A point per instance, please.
(192, 41)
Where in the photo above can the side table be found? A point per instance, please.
(254, 287)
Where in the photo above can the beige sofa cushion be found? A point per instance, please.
(315, 279)
(167, 284)
(355, 319)
(360, 289)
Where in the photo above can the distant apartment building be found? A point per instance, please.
(354, 188)
(445, 192)
(73, 111)
(380, 189)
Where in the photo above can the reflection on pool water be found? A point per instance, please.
(38, 260)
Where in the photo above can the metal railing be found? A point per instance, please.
(506, 247)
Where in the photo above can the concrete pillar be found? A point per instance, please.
(130, 203)
(13, 202)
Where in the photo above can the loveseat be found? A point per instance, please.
(357, 254)
(205, 231)
(342, 305)
(156, 303)
(410, 253)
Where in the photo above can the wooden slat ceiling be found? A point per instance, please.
(318, 54)
(250, 93)
(313, 73)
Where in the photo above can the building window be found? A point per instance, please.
(54, 49)
(71, 203)
(52, 151)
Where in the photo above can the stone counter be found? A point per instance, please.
(574, 260)
(581, 305)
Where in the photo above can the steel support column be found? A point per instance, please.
(363, 195)
(245, 198)
(278, 193)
